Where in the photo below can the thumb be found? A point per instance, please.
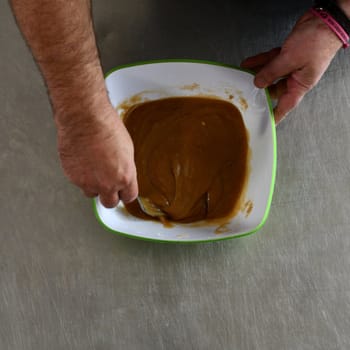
(295, 91)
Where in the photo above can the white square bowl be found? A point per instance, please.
(159, 79)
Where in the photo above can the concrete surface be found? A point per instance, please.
(65, 283)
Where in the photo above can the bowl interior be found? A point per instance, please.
(154, 80)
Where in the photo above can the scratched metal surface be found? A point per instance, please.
(65, 283)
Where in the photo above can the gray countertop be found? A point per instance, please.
(66, 283)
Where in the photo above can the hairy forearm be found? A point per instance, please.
(61, 37)
(95, 148)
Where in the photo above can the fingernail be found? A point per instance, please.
(279, 117)
(260, 82)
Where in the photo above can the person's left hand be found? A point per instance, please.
(295, 68)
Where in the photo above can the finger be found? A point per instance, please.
(261, 59)
(90, 194)
(129, 193)
(110, 200)
(290, 99)
(256, 69)
(279, 67)
(278, 89)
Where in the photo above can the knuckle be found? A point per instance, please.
(123, 180)
(126, 176)
(105, 188)
(303, 85)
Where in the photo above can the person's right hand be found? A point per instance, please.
(98, 157)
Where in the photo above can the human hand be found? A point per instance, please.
(98, 157)
(295, 68)
(96, 150)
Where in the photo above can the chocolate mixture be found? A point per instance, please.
(191, 156)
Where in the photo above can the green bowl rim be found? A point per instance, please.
(274, 165)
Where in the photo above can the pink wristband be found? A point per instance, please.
(333, 25)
